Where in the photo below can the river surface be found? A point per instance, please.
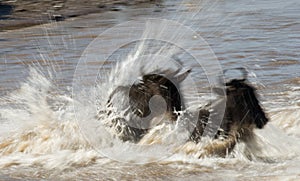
(50, 70)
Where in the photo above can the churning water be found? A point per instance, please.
(55, 77)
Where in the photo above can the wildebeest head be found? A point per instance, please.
(151, 85)
(243, 111)
(242, 114)
(165, 84)
(241, 102)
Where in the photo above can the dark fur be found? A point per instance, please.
(165, 85)
(154, 84)
(242, 114)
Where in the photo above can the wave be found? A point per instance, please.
(38, 127)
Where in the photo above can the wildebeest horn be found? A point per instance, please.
(173, 74)
(242, 69)
(244, 72)
(182, 76)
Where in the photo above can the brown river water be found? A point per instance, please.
(53, 78)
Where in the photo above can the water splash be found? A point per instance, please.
(38, 127)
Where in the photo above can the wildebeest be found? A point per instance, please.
(165, 84)
(155, 84)
(242, 114)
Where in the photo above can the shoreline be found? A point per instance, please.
(22, 14)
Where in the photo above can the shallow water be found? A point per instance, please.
(44, 75)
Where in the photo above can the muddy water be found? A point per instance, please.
(41, 140)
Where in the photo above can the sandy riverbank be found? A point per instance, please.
(16, 14)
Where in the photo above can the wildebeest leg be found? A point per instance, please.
(220, 147)
(126, 132)
(200, 126)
